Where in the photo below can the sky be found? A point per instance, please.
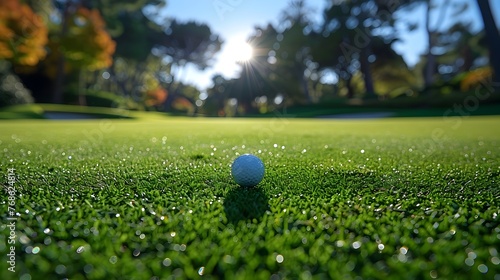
(235, 20)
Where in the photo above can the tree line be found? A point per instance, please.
(126, 54)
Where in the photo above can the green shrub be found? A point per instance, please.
(96, 98)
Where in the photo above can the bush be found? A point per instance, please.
(12, 91)
(96, 98)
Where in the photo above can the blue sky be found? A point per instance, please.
(234, 21)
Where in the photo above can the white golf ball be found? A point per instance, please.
(247, 170)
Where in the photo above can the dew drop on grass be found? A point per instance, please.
(280, 258)
(60, 269)
(201, 270)
(80, 249)
(88, 268)
(228, 259)
(469, 262)
(482, 268)
(356, 245)
(403, 250)
(167, 262)
(402, 258)
(381, 247)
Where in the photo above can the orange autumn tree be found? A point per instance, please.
(87, 44)
(23, 34)
(156, 96)
(83, 45)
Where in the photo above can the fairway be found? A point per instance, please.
(136, 199)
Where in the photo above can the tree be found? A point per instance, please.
(343, 20)
(114, 11)
(430, 67)
(217, 95)
(23, 34)
(460, 50)
(190, 42)
(87, 45)
(110, 10)
(140, 81)
(391, 74)
(262, 73)
(187, 43)
(293, 54)
(84, 45)
(138, 37)
(493, 37)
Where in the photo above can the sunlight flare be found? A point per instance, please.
(239, 51)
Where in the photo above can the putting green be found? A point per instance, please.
(134, 199)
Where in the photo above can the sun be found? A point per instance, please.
(239, 51)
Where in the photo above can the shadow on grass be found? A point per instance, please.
(245, 204)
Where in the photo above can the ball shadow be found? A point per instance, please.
(243, 203)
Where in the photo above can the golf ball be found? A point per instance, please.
(247, 170)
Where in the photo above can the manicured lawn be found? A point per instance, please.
(135, 199)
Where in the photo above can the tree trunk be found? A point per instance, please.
(367, 73)
(305, 87)
(82, 87)
(430, 67)
(431, 61)
(468, 59)
(119, 84)
(350, 90)
(57, 96)
(492, 37)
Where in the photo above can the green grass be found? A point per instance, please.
(37, 111)
(130, 199)
(25, 111)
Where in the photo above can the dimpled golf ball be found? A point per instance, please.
(247, 170)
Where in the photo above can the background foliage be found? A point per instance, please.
(61, 49)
